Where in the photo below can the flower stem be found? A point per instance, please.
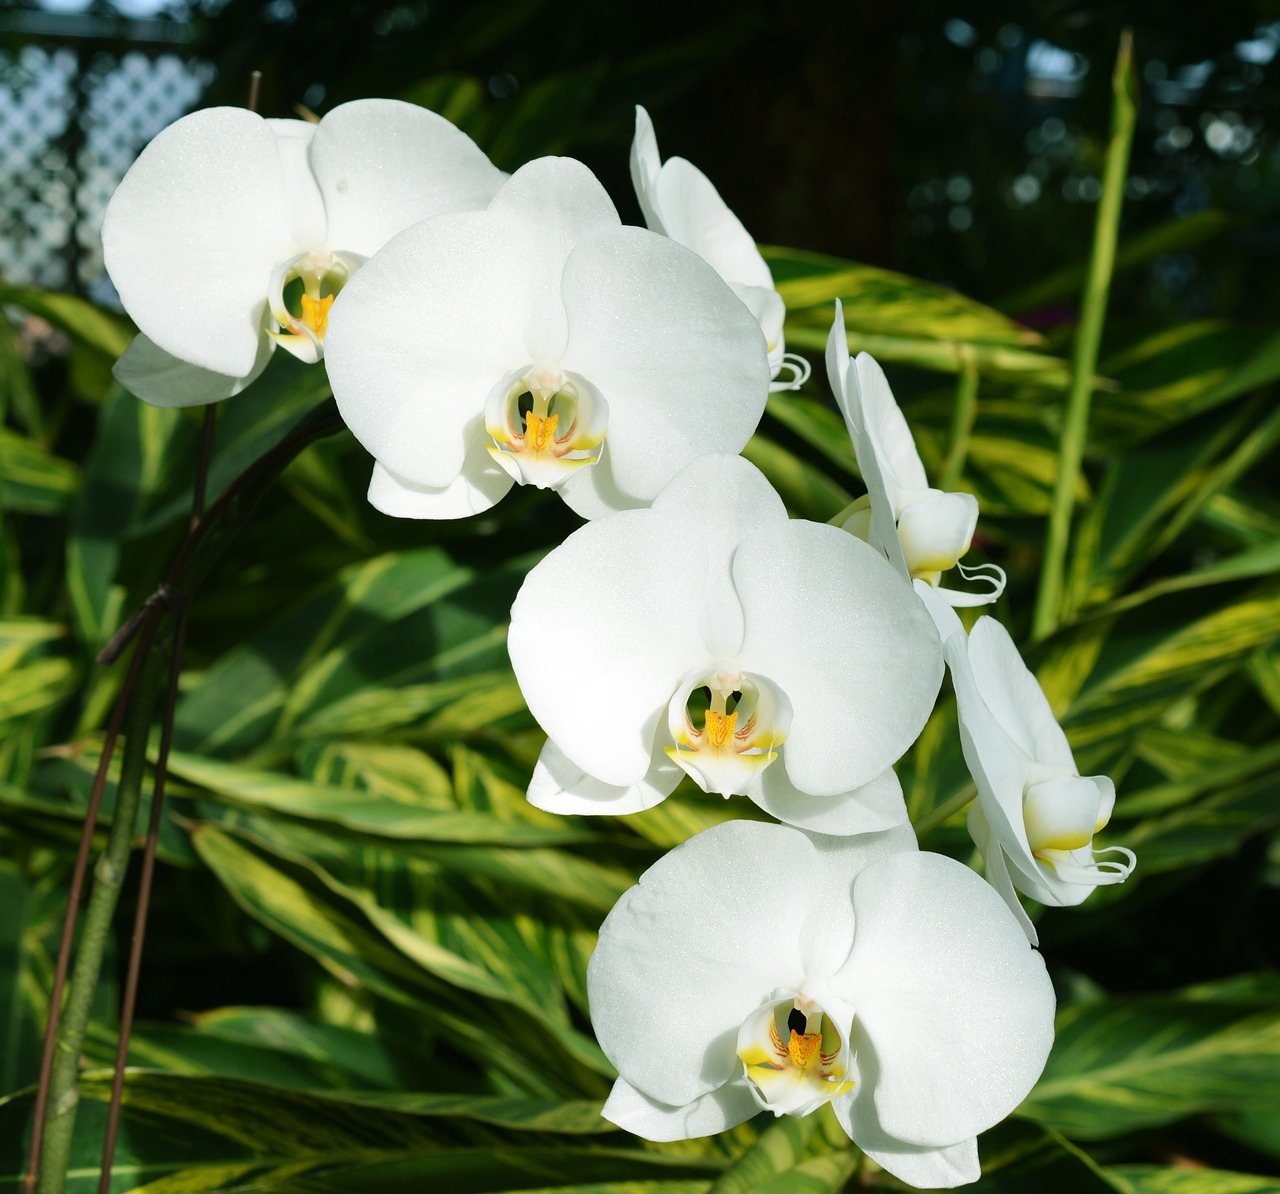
(108, 877)
(936, 816)
(149, 622)
(962, 420)
(1084, 362)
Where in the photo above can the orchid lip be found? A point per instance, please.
(727, 727)
(544, 424)
(794, 1057)
(322, 273)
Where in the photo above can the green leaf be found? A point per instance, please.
(379, 626)
(880, 301)
(807, 491)
(1154, 656)
(781, 1162)
(459, 968)
(35, 480)
(1191, 1179)
(131, 461)
(360, 811)
(1123, 1064)
(186, 1135)
(1018, 1157)
(1178, 235)
(109, 334)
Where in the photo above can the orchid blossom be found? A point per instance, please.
(712, 636)
(1036, 815)
(759, 967)
(922, 530)
(542, 342)
(679, 201)
(232, 234)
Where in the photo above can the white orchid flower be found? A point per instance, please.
(758, 967)
(712, 636)
(679, 201)
(1036, 815)
(922, 530)
(540, 341)
(232, 234)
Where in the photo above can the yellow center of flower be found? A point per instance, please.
(544, 424)
(719, 729)
(813, 1065)
(726, 728)
(315, 313)
(802, 1049)
(540, 433)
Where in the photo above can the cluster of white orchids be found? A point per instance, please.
(482, 331)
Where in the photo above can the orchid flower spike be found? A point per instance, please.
(712, 636)
(542, 342)
(232, 234)
(759, 967)
(923, 531)
(1035, 815)
(679, 201)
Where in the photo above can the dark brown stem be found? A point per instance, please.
(149, 623)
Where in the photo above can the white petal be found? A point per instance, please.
(679, 359)
(560, 204)
(693, 213)
(997, 868)
(720, 500)
(602, 631)
(192, 233)
(956, 1007)
(1014, 696)
(421, 334)
(880, 524)
(833, 625)
(1062, 812)
(384, 164)
(645, 164)
(707, 935)
(887, 430)
(560, 786)
(150, 373)
(826, 933)
(871, 808)
(303, 205)
(999, 766)
(922, 1166)
(769, 311)
(716, 1111)
(937, 529)
(480, 486)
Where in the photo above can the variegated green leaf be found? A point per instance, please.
(1123, 1064)
(1192, 1179)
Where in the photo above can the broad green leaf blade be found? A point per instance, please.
(271, 791)
(35, 480)
(881, 301)
(1192, 1179)
(182, 1135)
(1124, 1064)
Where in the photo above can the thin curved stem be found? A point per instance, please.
(130, 996)
(944, 811)
(142, 649)
(64, 1095)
